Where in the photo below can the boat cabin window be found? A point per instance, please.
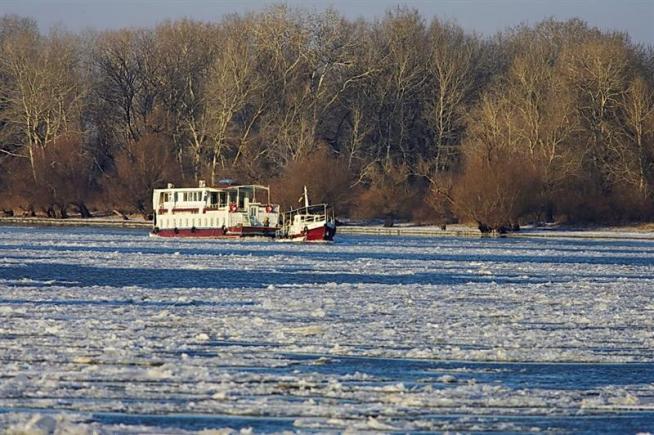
(190, 196)
(243, 194)
(213, 198)
(176, 196)
(223, 198)
(260, 195)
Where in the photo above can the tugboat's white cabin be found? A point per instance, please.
(309, 223)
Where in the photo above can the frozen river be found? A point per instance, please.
(112, 331)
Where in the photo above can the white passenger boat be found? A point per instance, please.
(227, 211)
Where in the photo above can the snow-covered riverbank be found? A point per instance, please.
(102, 328)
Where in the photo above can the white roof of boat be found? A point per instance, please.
(213, 189)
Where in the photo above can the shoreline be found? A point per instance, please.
(73, 222)
(629, 233)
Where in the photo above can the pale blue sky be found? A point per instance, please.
(483, 16)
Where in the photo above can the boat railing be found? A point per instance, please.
(316, 209)
(312, 217)
(312, 213)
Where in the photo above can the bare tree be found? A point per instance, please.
(354, 119)
(400, 41)
(326, 177)
(390, 195)
(597, 73)
(126, 91)
(637, 160)
(231, 85)
(42, 96)
(146, 164)
(185, 53)
(453, 59)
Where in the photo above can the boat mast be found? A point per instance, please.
(306, 197)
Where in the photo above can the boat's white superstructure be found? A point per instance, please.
(308, 223)
(226, 211)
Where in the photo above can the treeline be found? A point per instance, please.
(396, 118)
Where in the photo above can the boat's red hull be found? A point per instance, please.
(216, 233)
(322, 233)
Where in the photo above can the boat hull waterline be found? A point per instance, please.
(324, 233)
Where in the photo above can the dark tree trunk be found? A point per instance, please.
(83, 210)
(61, 212)
(549, 212)
(388, 221)
(485, 229)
